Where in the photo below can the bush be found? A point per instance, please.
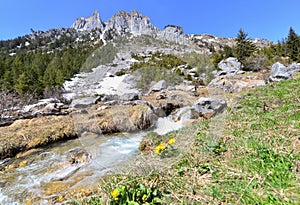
(155, 73)
(202, 62)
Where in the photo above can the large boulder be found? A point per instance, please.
(208, 107)
(230, 64)
(279, 72)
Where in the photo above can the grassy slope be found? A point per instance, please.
(248, 155)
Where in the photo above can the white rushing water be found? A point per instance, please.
(50, 165)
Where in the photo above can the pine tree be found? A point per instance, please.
(293, 45)
(244, 47)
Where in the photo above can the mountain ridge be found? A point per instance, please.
(136, 23)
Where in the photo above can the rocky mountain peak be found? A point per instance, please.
(133, 22)
(90, 23)
(173, 33)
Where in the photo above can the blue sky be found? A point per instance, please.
(270, 19)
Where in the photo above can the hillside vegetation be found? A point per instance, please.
(253, 159)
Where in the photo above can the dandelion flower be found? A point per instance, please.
(171, 141)
(115, 193)
(160, 148)
(144, 197)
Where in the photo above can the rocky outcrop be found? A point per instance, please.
(133, 22)
(174, 34)
(208, 107)
(210, 42)
(90, 23)
(236, 83)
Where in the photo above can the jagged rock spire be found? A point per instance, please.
(90, 23)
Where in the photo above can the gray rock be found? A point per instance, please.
(129, 96)
(208, 107)
(82, 102)
(113, 102)
(143, 102)
(170, 88)
(108, 98)
(90, 23)
(174, 34)
(177, 97)
(230, 73)
(279, 72)
(229, 64)
(133, 22)
(160, 85)
(293, 68)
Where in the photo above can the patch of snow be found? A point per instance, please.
(27, 108)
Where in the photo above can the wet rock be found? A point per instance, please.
(78, 155)
(144, 120)
(208, 107)
(165, 109)
(279, 72)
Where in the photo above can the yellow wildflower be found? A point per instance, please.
(60, 198)
(160, 148)
(144, 197)
(115, 193)
(23, 164)
(171, 141)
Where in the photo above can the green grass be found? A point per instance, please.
(252, 160)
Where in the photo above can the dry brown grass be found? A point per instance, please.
(26, 134)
